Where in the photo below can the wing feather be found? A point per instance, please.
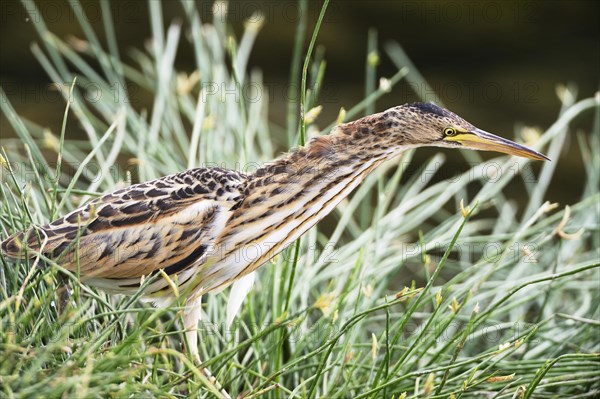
(168, 223)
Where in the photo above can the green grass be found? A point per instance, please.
(502, 301)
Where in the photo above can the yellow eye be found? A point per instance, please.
(450, 131)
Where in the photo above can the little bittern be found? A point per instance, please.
(207, 228)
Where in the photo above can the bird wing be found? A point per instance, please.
(169, 223)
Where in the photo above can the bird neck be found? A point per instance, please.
(303, 186)
(283, 199)
(324, 161)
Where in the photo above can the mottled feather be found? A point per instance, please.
(168, 223)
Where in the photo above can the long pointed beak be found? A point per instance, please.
(481, 140)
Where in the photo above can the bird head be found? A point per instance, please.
(419, 124)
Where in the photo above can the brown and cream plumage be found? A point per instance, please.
(209, 228)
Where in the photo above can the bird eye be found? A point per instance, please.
(450, 131)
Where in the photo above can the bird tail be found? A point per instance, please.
(22, 245)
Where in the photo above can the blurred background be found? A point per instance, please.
(499, 64)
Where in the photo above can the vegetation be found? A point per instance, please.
(500, 301)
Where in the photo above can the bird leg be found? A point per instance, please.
(191, 316)
(239, 291)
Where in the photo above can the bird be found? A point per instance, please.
(209, 228)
